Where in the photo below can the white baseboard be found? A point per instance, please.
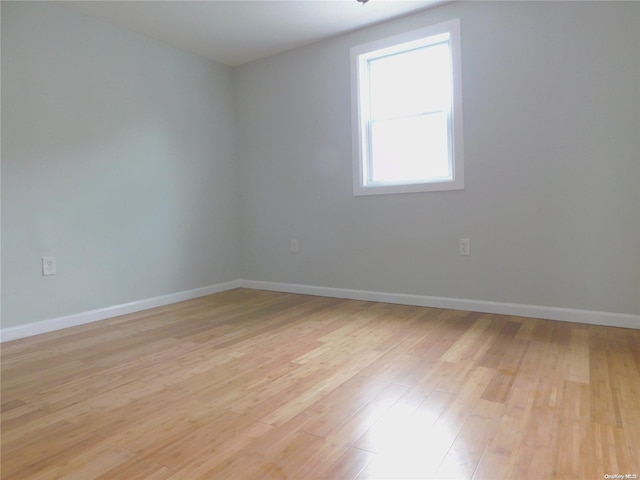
(550, 313)
(45, 326)
(520, 310)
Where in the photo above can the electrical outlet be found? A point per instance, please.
(48, 266)
(295, 245)
(465, 246)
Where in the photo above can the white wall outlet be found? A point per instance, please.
(465, 246)
(295, 245)
(48, 265)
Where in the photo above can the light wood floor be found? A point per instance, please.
(261, 385)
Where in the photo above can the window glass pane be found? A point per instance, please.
(409, 83)
(410, 149)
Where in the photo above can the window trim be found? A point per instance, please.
(397, 43)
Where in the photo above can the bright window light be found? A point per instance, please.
(408, 113)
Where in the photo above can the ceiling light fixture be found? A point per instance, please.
(362, 1)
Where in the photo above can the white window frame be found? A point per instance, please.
(360, 55)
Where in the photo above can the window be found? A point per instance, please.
(407, 112)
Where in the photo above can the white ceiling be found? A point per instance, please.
(239, 31)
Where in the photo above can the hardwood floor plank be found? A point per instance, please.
(605, 408)
(347, 467)
(504, 336)
(499, 388)
(223, 451)
(252, 384)
(86, 465)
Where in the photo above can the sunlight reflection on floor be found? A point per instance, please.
(411, 444)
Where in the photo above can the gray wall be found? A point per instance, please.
(551, 95)
(118, 158)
